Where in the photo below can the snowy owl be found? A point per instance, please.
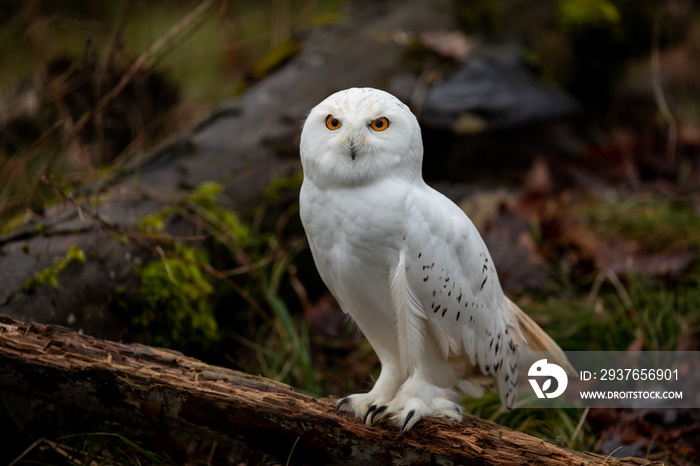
(407, 264)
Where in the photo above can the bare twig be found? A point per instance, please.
(579, 426)
(172, 37)
(659, 97)
(621, 291)
(61, 450)
(166, 43)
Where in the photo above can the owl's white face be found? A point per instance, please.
(360, 135)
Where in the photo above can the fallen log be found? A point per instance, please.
(140, 385)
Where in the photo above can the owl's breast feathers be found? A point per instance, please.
(402, 255)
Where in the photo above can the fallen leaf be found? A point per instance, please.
(451, 44)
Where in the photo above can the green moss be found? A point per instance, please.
(123, 239)
(12, 223)
(49, 276)
(176, 302)
(587, 13)
(326, 19)
(172, 307)
(226, 225)
(156, 221)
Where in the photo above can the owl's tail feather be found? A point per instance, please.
(533, 338)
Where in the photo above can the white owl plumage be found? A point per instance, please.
(406, 263)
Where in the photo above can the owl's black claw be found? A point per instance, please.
(370, 410)
(377, 411)
(408, 418)
(340, 404)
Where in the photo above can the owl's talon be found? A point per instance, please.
(369, 411)
(377, 411)
(341, 403)
(408, 418)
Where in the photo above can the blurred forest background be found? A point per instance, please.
(590, 205)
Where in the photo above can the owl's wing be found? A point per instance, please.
(454, 292)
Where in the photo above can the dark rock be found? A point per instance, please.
(489, 91)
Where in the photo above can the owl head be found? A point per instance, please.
(358, 136)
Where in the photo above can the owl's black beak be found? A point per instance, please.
(353, 151)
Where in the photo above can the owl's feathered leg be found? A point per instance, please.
(366, 406)
(421, 394)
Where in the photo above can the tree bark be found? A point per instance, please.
(137, 384)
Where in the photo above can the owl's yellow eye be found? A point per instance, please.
(380, 124)
(332, 123)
